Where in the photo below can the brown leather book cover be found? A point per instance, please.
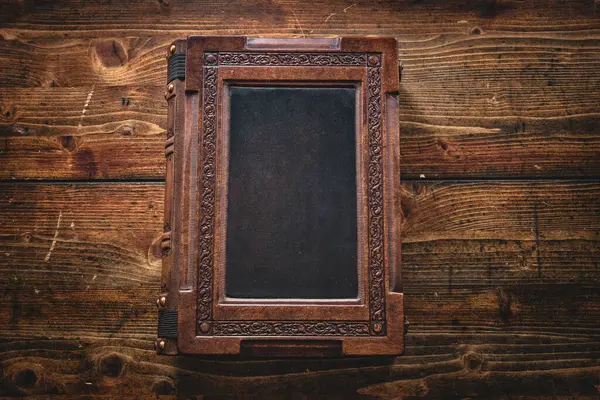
(282, 209)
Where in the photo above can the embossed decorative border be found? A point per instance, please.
(292, 59)
(207, 205)
(376, 325)
(291, 328)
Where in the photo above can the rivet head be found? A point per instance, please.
(161, 302)
(211, 59)
(377, 328)
(161, 345)
(373, 60)
(204, 327)
(171, 88)
(172, 49)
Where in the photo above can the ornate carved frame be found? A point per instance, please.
(373, 324)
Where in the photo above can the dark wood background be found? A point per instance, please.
(500, 128)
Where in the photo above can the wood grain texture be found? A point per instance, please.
(289, 17)
(479, 309)
(114, 132)
(493, 104)
(101, 369)
(501, 278)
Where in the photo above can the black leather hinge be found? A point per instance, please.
(167, 324)
(176, 69)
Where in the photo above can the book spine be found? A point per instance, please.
(166, 302)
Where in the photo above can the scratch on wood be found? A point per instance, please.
(330, 15)
(85, 106)
(458, 130)
(349, 7)
(55, 236)
(298, 23)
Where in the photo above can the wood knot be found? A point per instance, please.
(473, 361)
(422, 390)
(442, 145)
(127, 129)
(112, 365)
(110, 53)
(476, 31)
(25, 378)
(163, 387)
(8, 113)
(69, 143)
(407, 204)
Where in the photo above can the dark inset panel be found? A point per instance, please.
(292, 215)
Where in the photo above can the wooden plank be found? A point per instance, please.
(106, 132)
(474, 254)
(80, 277)
(501, 278)
(123, 61)
(499, 106)
(471, 106)
(291, 17)
(122, 369)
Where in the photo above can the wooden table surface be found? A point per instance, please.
(500, 144)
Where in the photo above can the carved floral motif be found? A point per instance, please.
(376, 284)
(375, 193)
(308, 59)
(276, 328)
(207, 205)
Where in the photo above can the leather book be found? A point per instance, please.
(282, 208)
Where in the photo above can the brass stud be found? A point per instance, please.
(373, 60)
(172, 49)
(377, 328)
(161, 302)
(171, 88)
(204, 327)
(161, 345)
(211, 59)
